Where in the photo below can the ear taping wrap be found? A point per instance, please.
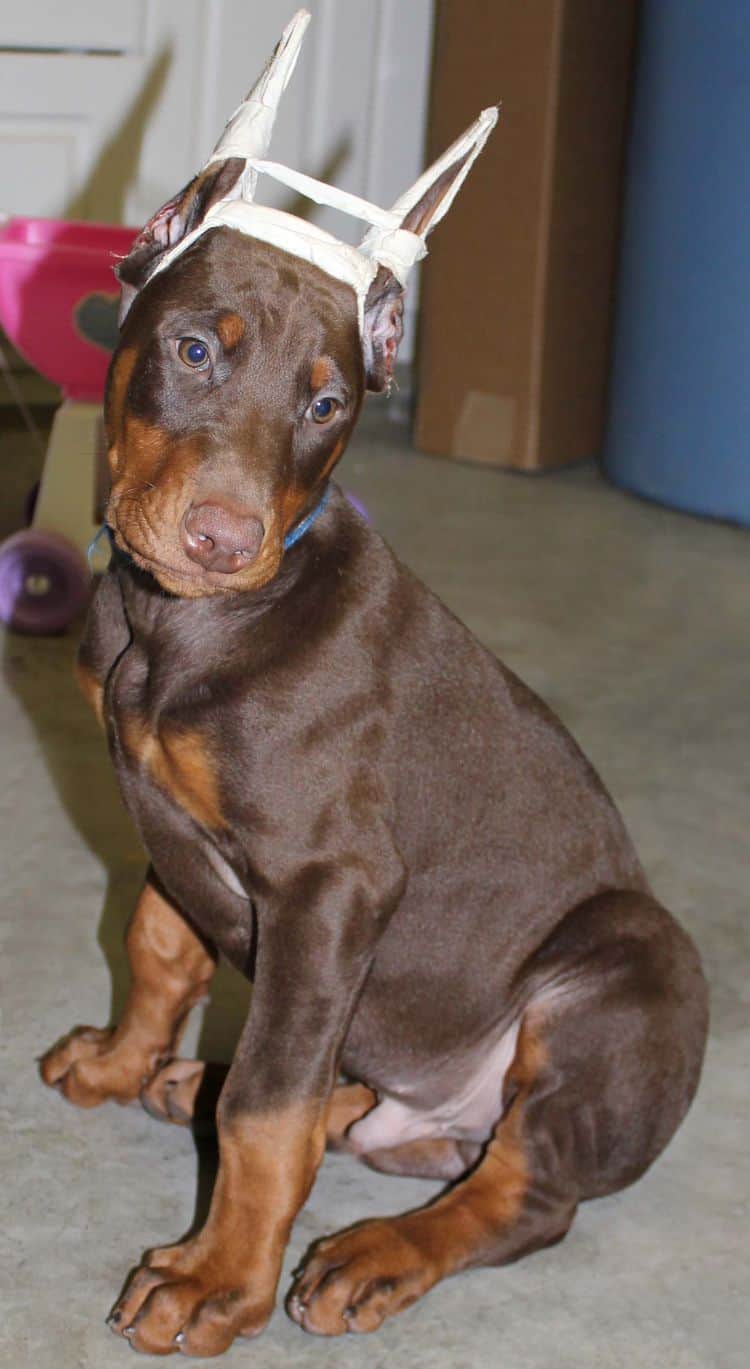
(248, 133)
(387, 243)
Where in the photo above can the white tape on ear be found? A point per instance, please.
(290, 234)
(248, 133)
(468, 146)
(386, 243)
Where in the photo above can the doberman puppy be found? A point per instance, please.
(459, 968)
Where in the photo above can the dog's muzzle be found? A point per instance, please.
(216, 538)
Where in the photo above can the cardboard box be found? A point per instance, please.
(517, 293)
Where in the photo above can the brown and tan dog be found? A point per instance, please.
(344, 794)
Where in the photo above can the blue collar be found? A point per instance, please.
(307, 522)
(104, 531)
(289, 540)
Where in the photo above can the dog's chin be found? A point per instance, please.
(186, 584)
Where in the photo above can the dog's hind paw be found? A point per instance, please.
(353, 1281)
(184, 1092)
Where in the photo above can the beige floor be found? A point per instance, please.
(633, 623)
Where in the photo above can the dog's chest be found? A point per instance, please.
(170, 777)
(159, 744)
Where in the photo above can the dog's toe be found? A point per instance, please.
(177, 1303)
(170, 1096)
(184, 1092)
(354, 1281)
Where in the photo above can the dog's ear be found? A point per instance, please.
(171, 223)
(246, 136)
(397, 245)
(384, 304)
(383, 329)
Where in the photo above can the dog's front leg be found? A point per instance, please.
(170, 971)
(314, 951)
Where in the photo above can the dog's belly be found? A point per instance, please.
(470, 1107)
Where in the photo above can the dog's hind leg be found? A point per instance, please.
(171, 970)
(606, 1064)
(186, 1091)
(429, 1158)
(349, 1102)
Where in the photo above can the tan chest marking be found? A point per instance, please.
(179, 760)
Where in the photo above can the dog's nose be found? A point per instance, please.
(219, 539)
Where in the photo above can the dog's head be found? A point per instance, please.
(242, 366)
(232, 394)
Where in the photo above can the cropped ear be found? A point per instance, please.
(170, 224)
(384, 304)
(383, 329)
(398, 242)
(228, 169)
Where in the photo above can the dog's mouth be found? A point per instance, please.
(187, 581)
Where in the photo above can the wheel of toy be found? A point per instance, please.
(29, 503)
(44, 582)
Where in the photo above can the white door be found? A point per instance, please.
(109, 106)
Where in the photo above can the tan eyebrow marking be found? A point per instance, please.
(230, 328)
(321, 373)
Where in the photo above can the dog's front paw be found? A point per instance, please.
(192, 1299)
(90, 1065)
(354, 1280)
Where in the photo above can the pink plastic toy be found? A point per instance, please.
(58, 298)
(58, 305)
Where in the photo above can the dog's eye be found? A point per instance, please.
(192, 352)
(321, 410)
